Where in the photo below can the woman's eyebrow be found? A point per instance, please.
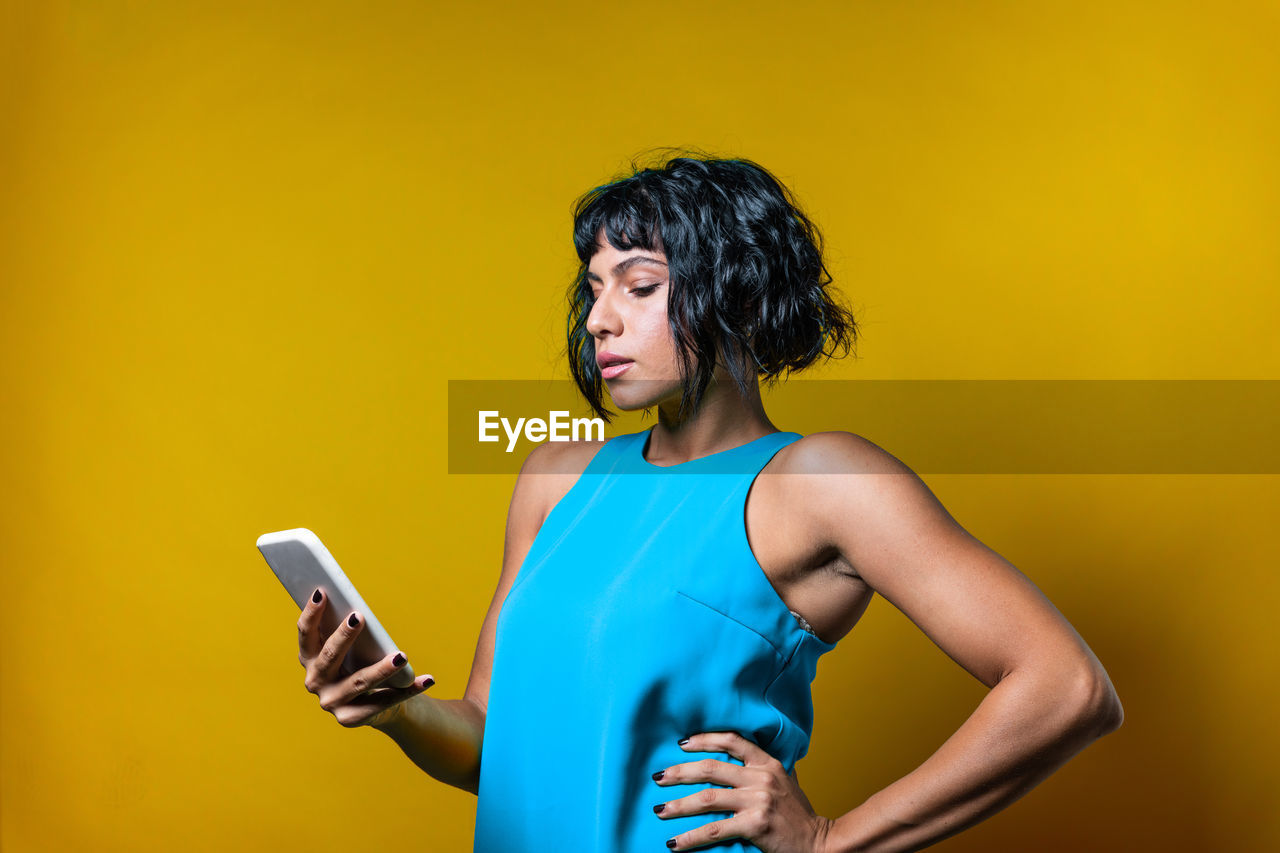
(626, 265)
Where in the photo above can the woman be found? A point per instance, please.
(642, 676)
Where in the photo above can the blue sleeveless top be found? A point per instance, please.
(639, 616)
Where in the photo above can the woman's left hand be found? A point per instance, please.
(769, 808)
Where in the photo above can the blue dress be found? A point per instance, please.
(638, 617)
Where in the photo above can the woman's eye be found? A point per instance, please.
(644, 289)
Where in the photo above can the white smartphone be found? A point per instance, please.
(302, 563)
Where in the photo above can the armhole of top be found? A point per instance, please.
(740, 530)
(600, 462)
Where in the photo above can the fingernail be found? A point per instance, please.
(353, 620)
(671, 843)
(659, 775)
(659, 807)
(428, 683)
(682, 742)
(316, 596)
(398, 660)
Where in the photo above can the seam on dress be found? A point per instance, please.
(781, 717)
(717, 610)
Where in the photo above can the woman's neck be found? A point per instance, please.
(725, 419)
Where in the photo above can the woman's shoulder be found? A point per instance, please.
(851, 512)
(569, 458)
(550, 470)
(837, 452)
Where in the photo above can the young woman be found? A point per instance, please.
(642, 677)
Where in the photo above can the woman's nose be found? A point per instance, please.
(603, 319)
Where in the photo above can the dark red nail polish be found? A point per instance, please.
(398, 660)
(316, 596)
(671, 843)
(682, 741)
(659, 775)
(352, 620)
(658, 809)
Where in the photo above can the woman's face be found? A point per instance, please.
(629, 324)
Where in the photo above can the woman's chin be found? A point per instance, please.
(637, 394)
(632, 403)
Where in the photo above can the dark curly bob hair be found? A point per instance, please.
(745, 272)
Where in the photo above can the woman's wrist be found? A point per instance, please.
(441, 736)
(392, 720)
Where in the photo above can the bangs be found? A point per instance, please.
(626, 212)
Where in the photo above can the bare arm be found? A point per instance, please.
(444, 736)
(1049, 696)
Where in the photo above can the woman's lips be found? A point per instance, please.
(614, 370)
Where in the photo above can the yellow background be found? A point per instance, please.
(244, 246)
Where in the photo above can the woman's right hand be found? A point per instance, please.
(356, 699)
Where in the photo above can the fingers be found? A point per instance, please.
(714, 800)
(746, 751)
(757, 795)
(749, 809)
(379, 706)
(711, 770)
(738, 826)
(359, 698)
(309, 638)
(364, 680)
(324, 667)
